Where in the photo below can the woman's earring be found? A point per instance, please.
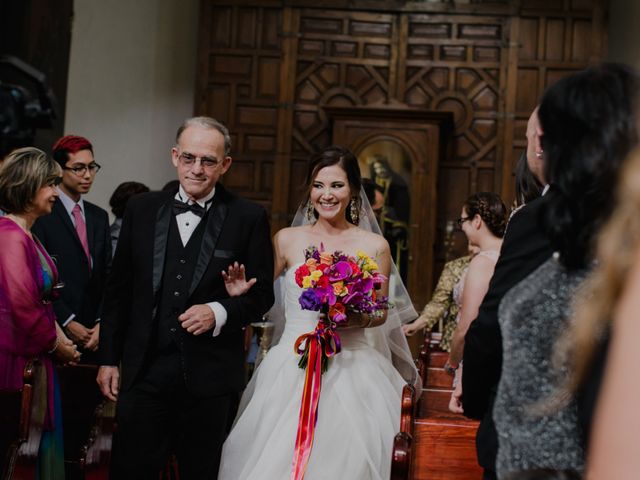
(310, 215)
(353, 211)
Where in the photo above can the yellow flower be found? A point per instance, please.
(311, 264)
(306, 282)
(371, 265)
(361, 255)
(338, 289)
(315, 275)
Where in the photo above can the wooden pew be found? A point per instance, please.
(443, 443)
(22, 415)
(402, 443)
(88, 423)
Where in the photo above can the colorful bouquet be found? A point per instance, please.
(334, 284)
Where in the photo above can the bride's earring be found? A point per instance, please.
(310, 215)
(353, 211)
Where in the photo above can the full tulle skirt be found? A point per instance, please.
(358, 416)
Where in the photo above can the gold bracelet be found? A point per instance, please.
(55, 345)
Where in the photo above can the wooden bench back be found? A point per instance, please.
(22, 414)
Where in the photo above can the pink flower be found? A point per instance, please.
(340, 271)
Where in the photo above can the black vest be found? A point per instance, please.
(179, 265)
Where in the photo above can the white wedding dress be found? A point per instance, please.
(358, 413)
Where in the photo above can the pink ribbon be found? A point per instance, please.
(319, 345)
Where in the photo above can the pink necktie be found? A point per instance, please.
(81, 230)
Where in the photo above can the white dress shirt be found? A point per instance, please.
(187, 224)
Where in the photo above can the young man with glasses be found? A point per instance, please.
(76, 234)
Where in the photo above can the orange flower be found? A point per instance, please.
(311, 264)
(326, 258)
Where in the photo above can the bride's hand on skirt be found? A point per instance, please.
(235, 280)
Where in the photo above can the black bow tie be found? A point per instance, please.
(182, 207)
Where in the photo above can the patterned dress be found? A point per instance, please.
(442, 303)
(532, 315)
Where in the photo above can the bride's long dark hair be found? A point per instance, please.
(345, 159)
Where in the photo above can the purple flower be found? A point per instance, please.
(339, 271)
(326, 295)
(378, 280)
(339, 257)
(310, 301)
(354, 298)
(363, 285)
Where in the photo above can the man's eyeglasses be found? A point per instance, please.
(190, 160)
(80, 170)
(461, 220)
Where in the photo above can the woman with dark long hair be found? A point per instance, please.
(589, 128)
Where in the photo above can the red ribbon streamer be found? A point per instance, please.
(324, 342)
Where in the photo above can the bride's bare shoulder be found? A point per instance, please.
(291, 237)
(291, 233)
(290, 243)
(374, 240)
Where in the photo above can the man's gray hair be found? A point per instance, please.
(207, 122)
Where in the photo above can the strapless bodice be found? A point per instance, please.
(299, 321)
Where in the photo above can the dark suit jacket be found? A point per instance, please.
(83, 290)
(236, 230)
(525, 247)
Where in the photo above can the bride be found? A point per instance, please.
(359, 405)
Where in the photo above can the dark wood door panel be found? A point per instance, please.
(270, 70)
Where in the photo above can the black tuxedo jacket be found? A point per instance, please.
(236, 230)
(83, 290)
(525, 248)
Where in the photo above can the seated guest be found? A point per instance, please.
(28, 277)
(442, 304)
(588, 130)
(118, 203)
(77, 235)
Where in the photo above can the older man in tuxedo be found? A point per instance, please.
(525, 247)
(168, 320)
